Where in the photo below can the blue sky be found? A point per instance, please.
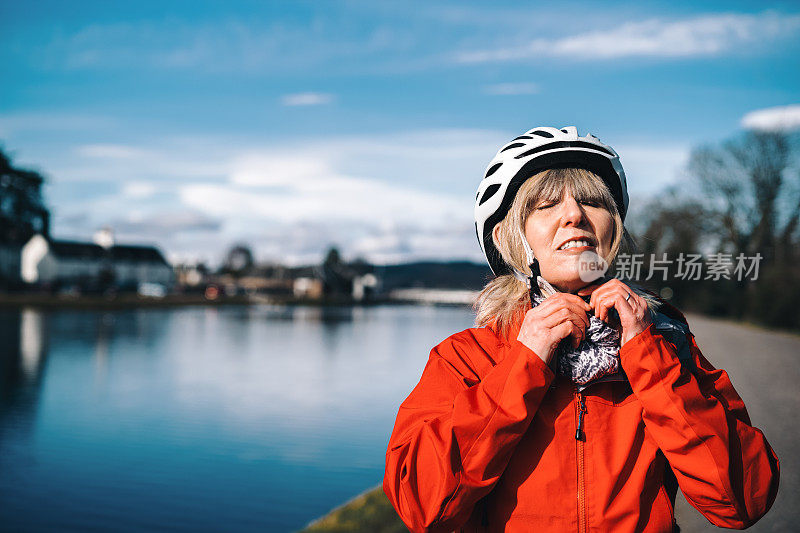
(295, 125)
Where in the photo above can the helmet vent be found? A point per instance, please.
(565, 144)
(512, 145)
(490, 190)
(492, 170)
(545, 134)
(523, 137)
(564, 131)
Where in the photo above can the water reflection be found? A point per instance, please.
(241, 418)
(31, 345)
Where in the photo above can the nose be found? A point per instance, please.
(571, 212)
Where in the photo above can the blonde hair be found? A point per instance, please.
(505, 298)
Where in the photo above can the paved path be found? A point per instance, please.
(764, 367)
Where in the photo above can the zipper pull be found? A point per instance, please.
(581, 409)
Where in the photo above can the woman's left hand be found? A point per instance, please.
(634, 315)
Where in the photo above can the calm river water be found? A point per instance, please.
(201, 419)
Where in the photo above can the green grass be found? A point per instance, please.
(369, 512)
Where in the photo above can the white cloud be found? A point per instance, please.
(321, 195)
(170, 159)
(781, 118)
(110, 151)
(392, 196)
(307, 99)
(701, 36)
(264, 169)
(508, 89)
(138, 189)
(152, 224)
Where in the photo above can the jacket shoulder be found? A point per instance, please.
(672, 313)
(672, 325)
(472, 352)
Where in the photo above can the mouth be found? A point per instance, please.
(577, 244)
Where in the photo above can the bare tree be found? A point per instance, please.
(741, 196)
(22, 209)
(746, 181)
(675, 223)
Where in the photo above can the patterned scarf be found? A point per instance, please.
(595, 358)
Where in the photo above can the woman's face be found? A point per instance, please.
(550, 226)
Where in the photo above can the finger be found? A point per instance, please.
(616, 300)
(574, 304)
(601, 309)
(568, 328)
(597, 304)
(586, 291)
(563, 330)
(607, 288)
(562, 315)
(561, 298)
(577, 336)
(603, 306)
(572, 309)
(597, 294)
(574, 298)
(626, 308)
(578, 332)
(579, 311)
(555, 321)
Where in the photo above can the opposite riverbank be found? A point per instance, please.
(133, 300)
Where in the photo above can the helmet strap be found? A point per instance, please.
(533, 264)
(533, 280)
(528, 252)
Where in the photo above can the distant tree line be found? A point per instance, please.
(740, 197)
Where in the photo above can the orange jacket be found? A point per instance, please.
(486, 441)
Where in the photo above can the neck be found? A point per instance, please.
(570, 286)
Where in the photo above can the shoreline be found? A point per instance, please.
(134, 301)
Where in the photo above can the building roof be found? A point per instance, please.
(87, 250)
(73, 249)
(137, 253)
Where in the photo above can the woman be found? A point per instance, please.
(576, 403)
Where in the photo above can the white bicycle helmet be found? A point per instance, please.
(539, 149)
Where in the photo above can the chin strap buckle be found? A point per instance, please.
(533, 280)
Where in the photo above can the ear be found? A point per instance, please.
(496, 233)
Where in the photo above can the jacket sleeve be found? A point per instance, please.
(724, 466)
(455, 433)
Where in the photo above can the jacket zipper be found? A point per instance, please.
(580, 439)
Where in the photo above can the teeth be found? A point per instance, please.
(573, 244)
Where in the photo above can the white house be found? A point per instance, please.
(48, 261)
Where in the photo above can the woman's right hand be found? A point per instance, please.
(557, 317)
